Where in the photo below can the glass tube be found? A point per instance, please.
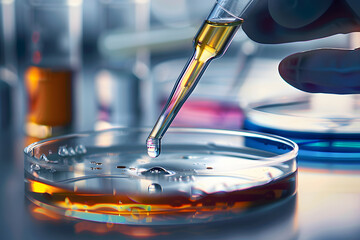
(211, 41)
(53, 47)
(118, 82)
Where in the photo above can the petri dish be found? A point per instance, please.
(325, 127)
(201, 176)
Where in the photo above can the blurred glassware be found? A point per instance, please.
(54, 29)
(8, 79)
(123, 75)
(180, 13)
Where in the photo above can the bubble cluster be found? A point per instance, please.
(64, 151)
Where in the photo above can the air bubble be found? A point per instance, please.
(67, 202)
(80, 149)
(155, 188)
(62, 151)
(196, 194)
(35, 167)
(71, 151)
(93, 162)
(189, 157)
(156, 171)
(44, 158)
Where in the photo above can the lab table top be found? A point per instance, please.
(326, 206)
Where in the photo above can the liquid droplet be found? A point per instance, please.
(35, 167)
(154, 188)
(67, 201)
(153, 147)
(209, 168)
(62, 151)
(120, 166)
(80, 149)
(99, 163)
(71, 151)
(44, 158)
(196, 194)
(156, 171)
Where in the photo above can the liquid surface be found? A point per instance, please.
(121, 184)
(210, 42)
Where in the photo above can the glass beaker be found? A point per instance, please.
(121, 77)
(53, 47)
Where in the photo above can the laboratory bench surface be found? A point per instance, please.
(326, 206)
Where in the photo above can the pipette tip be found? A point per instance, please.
(153, 147)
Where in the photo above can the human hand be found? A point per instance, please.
(323, 70)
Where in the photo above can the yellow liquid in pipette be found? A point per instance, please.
(213, 38)
(210, 42)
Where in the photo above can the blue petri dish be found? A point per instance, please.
(322, 131)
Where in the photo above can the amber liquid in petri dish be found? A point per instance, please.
(50, 106)
(211, 41)
(155, 206)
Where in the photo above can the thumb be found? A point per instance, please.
(323, 71)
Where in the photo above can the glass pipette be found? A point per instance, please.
(211, 42)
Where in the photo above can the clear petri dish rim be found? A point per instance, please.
(292, 154)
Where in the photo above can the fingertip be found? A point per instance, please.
(288, 69)
(323, 71)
